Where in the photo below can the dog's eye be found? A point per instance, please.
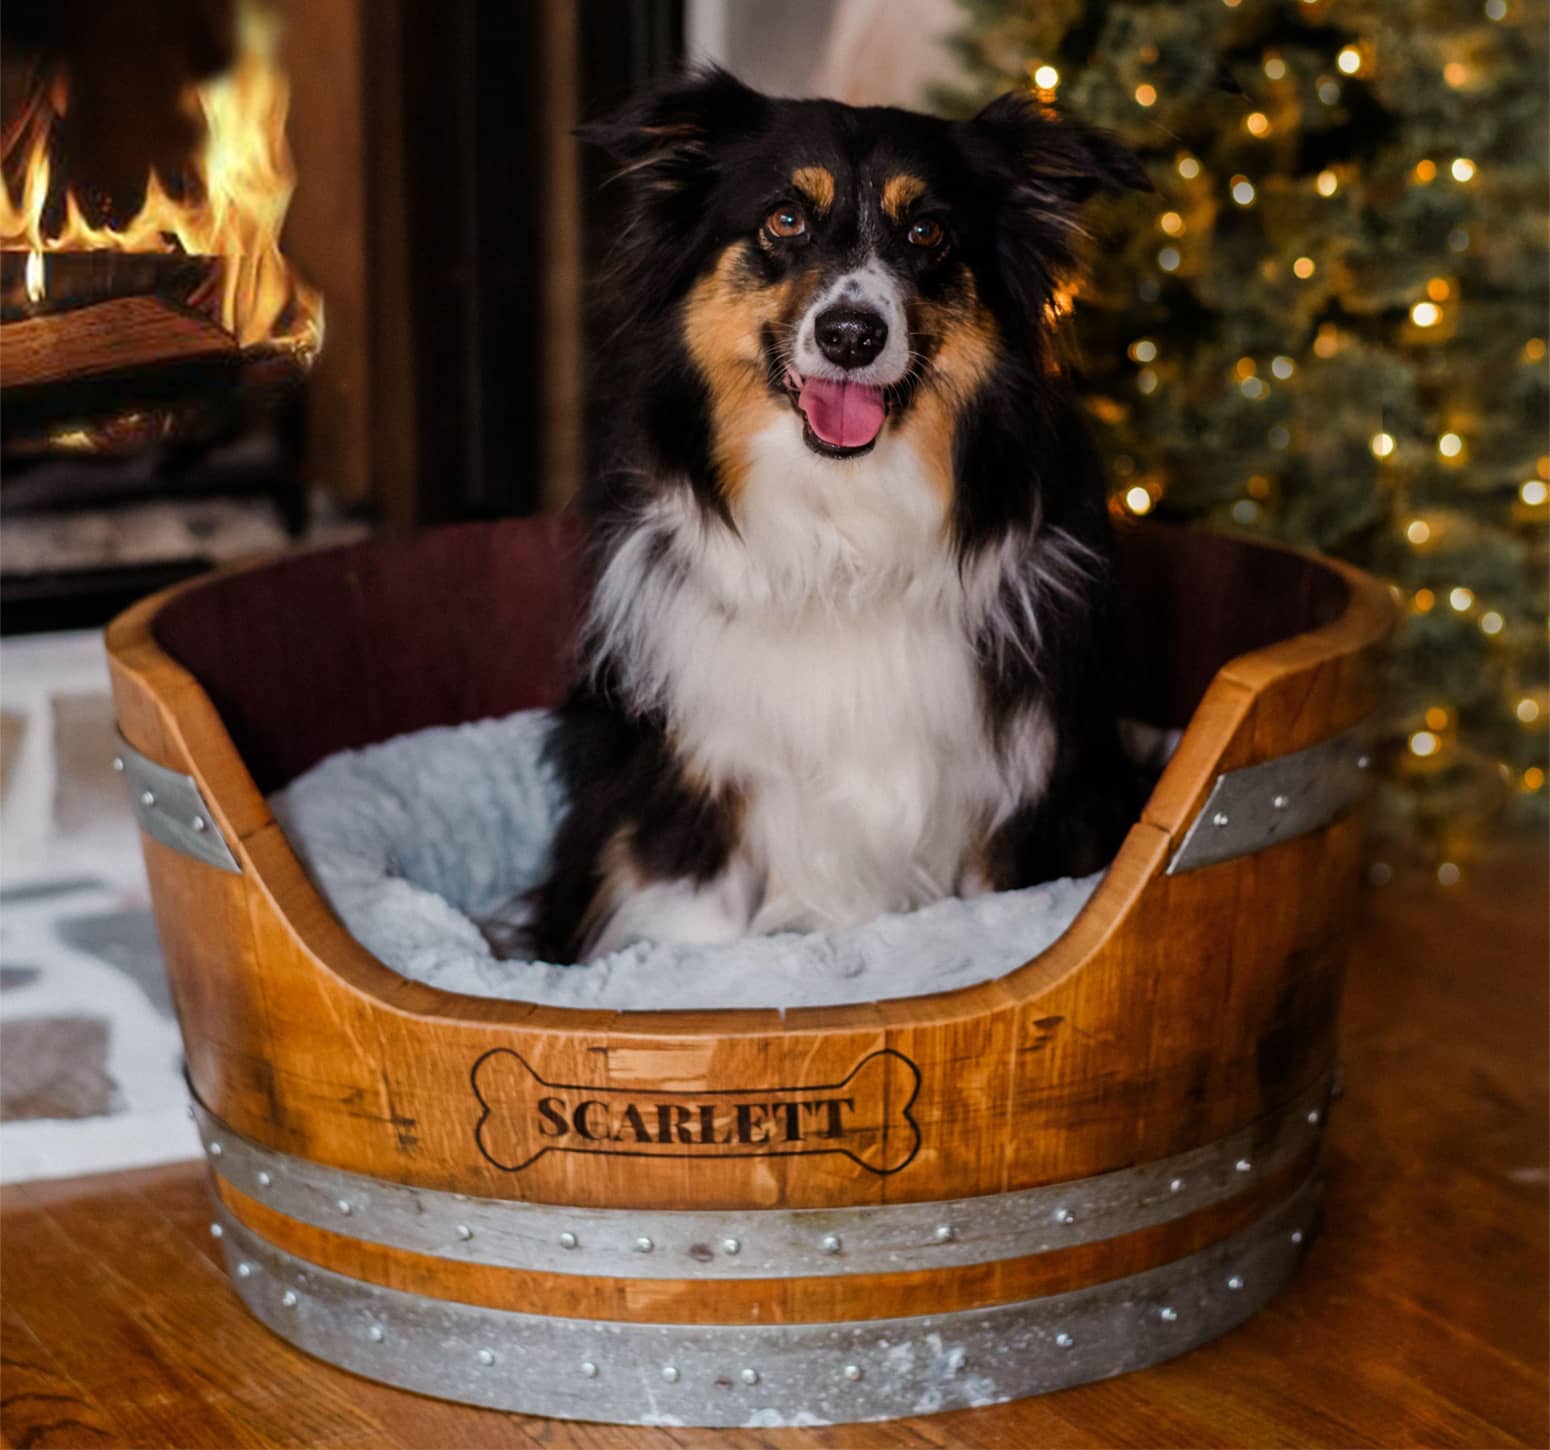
(786, 221)
(924, 233)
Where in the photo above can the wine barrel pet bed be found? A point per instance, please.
(1093, 1163)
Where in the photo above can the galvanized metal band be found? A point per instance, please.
(766, 1243)
(766, 1375)
(170, 808)
(1277, 800)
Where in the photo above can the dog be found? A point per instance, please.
(850, 647)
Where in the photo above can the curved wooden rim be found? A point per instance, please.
(270, 863)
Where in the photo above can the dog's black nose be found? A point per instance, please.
(850, 337)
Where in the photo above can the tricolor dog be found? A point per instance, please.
(848, 650)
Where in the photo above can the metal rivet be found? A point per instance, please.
(1313, 1115)
(1363, 761)
(244, 1271)
(1281, 802)
(732, 1246)
(1176, 1186)
(853, 1371)
(148, 798)
(464, 1232)
(670, 1373)
(1064, 1215)
(1064, 1340)
(589, 1369)
(749, 1376)
(216, 1231)
(1168, 1313)
(1296, 1235)
(831, 1244)
(486, 1356)
(643, 1245)
(199, 823)
(1235, 1282)
(288, 1298)
(376, 1334)
(568, 1240)
(945, 1233)
(1221, 818)
(343, 1206)
(216, 1150)
(118, 764)
(264, 1180)
(1244, 1166)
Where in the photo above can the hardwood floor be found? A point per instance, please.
(1418, 1319)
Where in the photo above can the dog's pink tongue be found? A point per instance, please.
(848, 415)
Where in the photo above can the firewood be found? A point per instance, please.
(120, 336)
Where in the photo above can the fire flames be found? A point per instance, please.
(233, 209)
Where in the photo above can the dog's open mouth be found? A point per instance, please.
(840, 419)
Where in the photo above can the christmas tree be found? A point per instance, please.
(1329, 326)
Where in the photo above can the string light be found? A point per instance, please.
(1138, 500)
(1304, 267)
(1258, 486)
(1328, 183)
(1189, 168)
(1275, 67)
(1448, 874)
(1169, 258)
(1382, 444)
(1424, 600)
(1534, 350)
(1461, 599)
(1528, 710)
(1253, 388)
(1423, 743)
(1533, 778)
(1437, 718)
(1426, 314)
(1245, 367)
(1143, 350)
(1418, 531)
(1243, 191)
(1425, 171)
(1491, 622)
(1257, 123)
(1146, 381)
(1046, 77)
(1329, 90)
(1456, 74)
(1171, 222)
(1146, 95)
(1327, 342)
(1349, 60)
(1463, 169)
(1533, 492)
(1283, 367)
(1438, 289)
(1450, 445)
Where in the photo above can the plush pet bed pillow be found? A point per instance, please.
(423, 843)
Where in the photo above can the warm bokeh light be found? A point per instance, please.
(1461, 599)
(1275, 67)
(1437, 718)
(1282, 367)
(1143, 350)
(1491, 622)
(1528, 710)
(1046, 77)
(1533, 492)
(1171, 222)
(1424, 743)
(1146, 95)
(1189, 168)
(1450, 445)
(1257, 123)
(1438, 289)
(1328, 183)
(1425, 171)
(1426, 314)
(1169, 258)
(1382, 444)
(1463, 169)
(1349, 60)
(1304, 267)
(1424, 600)
(1138, 500)
(1243, 191)
(1418, 531)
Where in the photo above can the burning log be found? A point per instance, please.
(121, 336)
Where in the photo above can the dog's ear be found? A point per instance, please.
(666, 140)
(1053, 157)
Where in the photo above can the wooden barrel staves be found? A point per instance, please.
(1091, 1164)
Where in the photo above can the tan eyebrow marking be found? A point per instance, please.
(816, 184)
(899, 192)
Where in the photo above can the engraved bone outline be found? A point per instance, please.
(664, 1151)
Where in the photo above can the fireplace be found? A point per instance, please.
(281, 271)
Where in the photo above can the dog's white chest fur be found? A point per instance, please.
(820, 662)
